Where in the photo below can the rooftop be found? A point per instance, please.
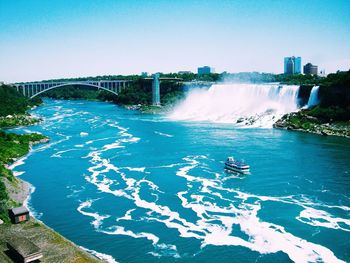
(23, 246)
(19, 210)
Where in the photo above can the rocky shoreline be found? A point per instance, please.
(301, 121)
(148, 109)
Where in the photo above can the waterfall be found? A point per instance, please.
(254, 105)
(313, 99)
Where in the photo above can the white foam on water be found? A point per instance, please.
(27, 131)
(15, 173)
(119, 143)
(127, 216)
(26, 203)
(248, 105)
(165, 249)
(215, 225)
(119, 230)
(163, 134)
(96, 159)
(97, 140)
(113, 146)
(161, 248)
(97, 177)
(99, 255)
(168, 166)
(75, 190)
(18, 162)
(321, 218)
(104, 184)
(130, 140)
(122, 130)
(94, 120)
(114, 125)
(49, 145)
(60, 115)
(135, 169)
(98, 218)
(59, 153)
(264, 237)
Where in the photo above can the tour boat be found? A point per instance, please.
(237, 166)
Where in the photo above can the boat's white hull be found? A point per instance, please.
(236, 169)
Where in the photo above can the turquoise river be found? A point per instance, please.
(132, 187)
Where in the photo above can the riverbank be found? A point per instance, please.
(302, 121)
(15, 192)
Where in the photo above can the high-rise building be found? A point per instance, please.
(289, 66)
(205, 70)
(310, 69)
(292, 65)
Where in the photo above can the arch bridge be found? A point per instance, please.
(33, 89)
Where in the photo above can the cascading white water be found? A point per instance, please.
(254, 105)
(313, 99)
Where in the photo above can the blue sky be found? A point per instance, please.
(51, 39)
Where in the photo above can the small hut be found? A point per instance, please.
(19, 214)
(23, 250)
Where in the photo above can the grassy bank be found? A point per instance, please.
(12, 146)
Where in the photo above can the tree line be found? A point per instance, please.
(13, 102)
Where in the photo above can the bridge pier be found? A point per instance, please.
(156, 90)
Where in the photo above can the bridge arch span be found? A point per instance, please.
(71, 84)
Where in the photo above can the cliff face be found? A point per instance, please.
(336, 95)
(304, 94)
(329, 95)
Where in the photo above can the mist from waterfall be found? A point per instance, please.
(247, 105)
(313, 99)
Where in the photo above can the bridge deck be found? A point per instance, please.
(32, 89)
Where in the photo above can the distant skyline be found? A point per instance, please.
(61, 39)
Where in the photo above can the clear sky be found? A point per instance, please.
(70, 38)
